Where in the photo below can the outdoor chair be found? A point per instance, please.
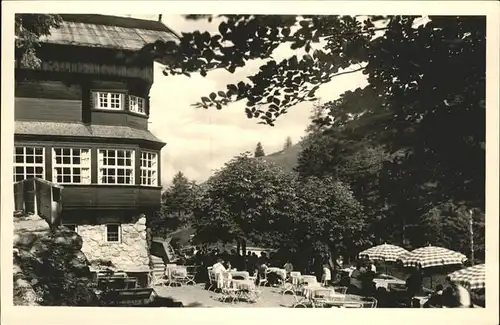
(157, 277)
(341, 290)
(262, 279)
(350, 304)
(370, 302)
(253, 277)
(191, 274)
(227, 291)
(253, 295)
(212, 279)
(322, 297)
(177, 277)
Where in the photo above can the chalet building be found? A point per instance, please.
(81, 121)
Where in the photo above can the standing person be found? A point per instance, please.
(414, 283)
(326, 278)
(288, 268)
(338, 267)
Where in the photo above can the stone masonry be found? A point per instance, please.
(129, 255)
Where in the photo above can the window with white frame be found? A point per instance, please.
(28, 163)
(116, 166)
(71, 227)
(113, 233)
(149, 168)
(137, 104)
(71, 165)
(108, 100)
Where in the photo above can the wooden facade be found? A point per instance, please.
(60, 92)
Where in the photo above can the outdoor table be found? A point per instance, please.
(240, 274)
(295, 279)
(346, 299)
(309, 290)
(307, 279)
(280, 272)
(387, 281)
(243, 285)
(175, 274)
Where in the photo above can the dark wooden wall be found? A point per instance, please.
(56, 101)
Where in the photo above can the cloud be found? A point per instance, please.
(200, 141)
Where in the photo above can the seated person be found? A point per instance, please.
(356, 284)
(478, 297)
(218, 269)
(456, 296)
(436, 299)
(371, 266)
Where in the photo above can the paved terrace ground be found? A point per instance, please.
(197, 296)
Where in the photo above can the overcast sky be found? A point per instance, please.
(199, 140)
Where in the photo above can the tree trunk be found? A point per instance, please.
(243, 247)
(238, 246)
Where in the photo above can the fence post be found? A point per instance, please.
(471, 233)
(35, 198)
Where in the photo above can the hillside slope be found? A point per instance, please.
(287, 158)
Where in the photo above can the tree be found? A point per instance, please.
(259, 151)
(447, 225)
(247, 200)
(316, 117)
(288, 143)
(330, 219)
(178, 202)
(417, 81)
(28, 30)
(355, 162)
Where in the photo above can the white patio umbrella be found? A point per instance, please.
(473, 277)
(384, 252)
(431, 256)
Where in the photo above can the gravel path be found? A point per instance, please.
(197, 296)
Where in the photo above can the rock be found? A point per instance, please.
(41, 257)
(24, 239)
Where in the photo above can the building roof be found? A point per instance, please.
(81, 130)
(109, 32)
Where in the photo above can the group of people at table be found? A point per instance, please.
(250, 270)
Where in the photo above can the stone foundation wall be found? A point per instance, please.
(130, 254)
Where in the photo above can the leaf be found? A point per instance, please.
(213, 96)
(218, 106)
(285, 31)
(232, 88)
(203, 73)
(223, 28)
(205, 99)
(221, 94)
(276, 101)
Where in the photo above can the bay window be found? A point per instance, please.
(71, 166)
(137, 104)
(28, 163)
(108, 100)
(116, 166)
(149, 168)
